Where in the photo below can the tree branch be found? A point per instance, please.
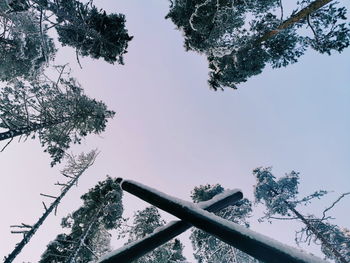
(333, 204)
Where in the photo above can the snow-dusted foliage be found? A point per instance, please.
(24, 48)
(89, 238)
(57, 111)
(240, 37)
(280, 197)
(207, 247)
(336, 236)
(275, 193)
(146, 222)
(24, 24)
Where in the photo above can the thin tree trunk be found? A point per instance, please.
(314, 6)
(30, 128)
(319, 236)
(313, 230)
(35, 227)
(73, 256)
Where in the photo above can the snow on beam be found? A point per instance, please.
(165, 233)
(257, 245)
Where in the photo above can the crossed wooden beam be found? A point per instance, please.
(256, 245)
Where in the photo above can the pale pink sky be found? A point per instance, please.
(171, 132)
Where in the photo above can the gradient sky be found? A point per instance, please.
(172, 133)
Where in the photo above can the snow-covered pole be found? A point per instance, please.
(165, 233)
(259, 246)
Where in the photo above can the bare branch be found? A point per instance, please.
(54, 197)
(77, 56)
(19, 232)
(44, 206)
(333, 204)
(6, 145)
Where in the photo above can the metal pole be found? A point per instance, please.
(259, 246)
(164, 234)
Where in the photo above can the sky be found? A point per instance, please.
(172, 132)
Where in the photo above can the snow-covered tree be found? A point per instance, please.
(91, 31)
(240, 37)
(75, 168)
(280, 197)
(207, 247)
(89, 238)
(25, 47)
(57, 111)
(144, 223)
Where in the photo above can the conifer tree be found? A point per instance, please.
(240, 37)
(210, 249)
(75, 168)
(91, 31)
(25, 47)
(88, 238)
(58, 112)
(146, 222)
(280, 198)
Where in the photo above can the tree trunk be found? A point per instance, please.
(314, 6)
(317, 234)
(73, 256)
(30, 128)
(35, 227)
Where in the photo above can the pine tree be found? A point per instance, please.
(280, 197)
(144, 223)
(91, 31)
(210, 249)
(88, 240)
(75, 168)
(25, 47)
(240, 37)
(59, 112)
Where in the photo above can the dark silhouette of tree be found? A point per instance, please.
(58, 112)
(210, 249)
(91, 31)
(75, 168)
(240, 37)
(280, 197)
(89, 238)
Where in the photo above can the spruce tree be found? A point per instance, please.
(210, 249)
(239, 38)
(146, 222)
(89, 225)
(281, 198)
(58, 112)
